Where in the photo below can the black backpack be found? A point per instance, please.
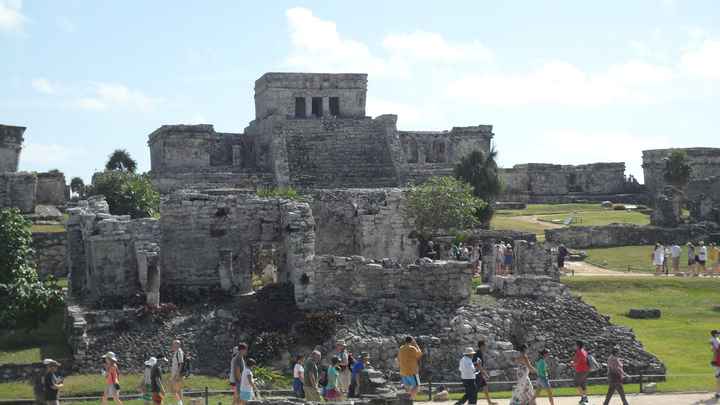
(185, 369)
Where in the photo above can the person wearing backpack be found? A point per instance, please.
(616, 374)
(176, 371)
(51, 382)
(582, 369)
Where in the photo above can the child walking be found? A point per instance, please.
(247, 383)
(543, 381)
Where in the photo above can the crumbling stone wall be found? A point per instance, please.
(365, 222)
(50, 253)
(703, 198)
(535, 259)
(17, 190)
(216, 241)
(705, 162)
(581, 237)
(11, 140)
(345, 280)
(435, 153)
(668, 207)
(51, 189)
(540, 182)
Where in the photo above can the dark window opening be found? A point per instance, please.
(335, 106)
(438, 152)
(317, 106)
(300, 107)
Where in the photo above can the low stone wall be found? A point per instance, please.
(17, 190)
(50, 253)
(528, 286)
(582, 237)
(356, 279)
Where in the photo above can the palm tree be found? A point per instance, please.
(77, 186)
(120, 160)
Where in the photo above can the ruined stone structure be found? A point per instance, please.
(551, 183)
(50, 251)
(668, 207)
(51, 189)
(705, 162)
(703, 198)
(11, 140)
(581, 237)
(17, 190)
(310, 131)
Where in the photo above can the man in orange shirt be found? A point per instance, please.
(408, 359)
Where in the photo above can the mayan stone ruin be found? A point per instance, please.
(241, 267)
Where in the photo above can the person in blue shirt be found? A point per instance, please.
(356, 369)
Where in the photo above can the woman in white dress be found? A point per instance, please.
(523, 393)
(658, 258)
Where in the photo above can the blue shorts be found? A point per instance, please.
(543, 383)
(409, 381)
(246, 395)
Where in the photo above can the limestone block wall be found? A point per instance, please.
(704, 199)
(435, 153)
(347, 152)
(180, 147)
(279, 93)
(346, 280)
(535, 259)
(50, 253)
(365, 222)
(51, 189)
(209, 241)
(17, 190)
(581, 237)
(11, 140)
(705, 162)
(80, 224)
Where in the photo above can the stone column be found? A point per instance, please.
(308, 107)
(326, 106)
(152, 289)
(225, 269)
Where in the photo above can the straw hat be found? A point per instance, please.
(151, 362)
(469, 351)
(50, 362)
(340, 343)
(111, 356)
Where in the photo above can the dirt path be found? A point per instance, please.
(587, 269)
(533, 219)
(634, 399)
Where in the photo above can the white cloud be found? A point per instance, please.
(559, 82)
(49, 155)
(703, 61)
(109, 95)
(432, 46)
(11, 16)
(42, 85)
(317, 46)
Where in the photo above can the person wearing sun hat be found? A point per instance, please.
(151, 385)
(344, 362)
(51, 382)
(112, 379)
(467, 374)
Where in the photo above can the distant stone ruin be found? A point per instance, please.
(705, 163)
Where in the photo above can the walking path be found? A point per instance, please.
(533, 219)
(587, 269)
(633, 399)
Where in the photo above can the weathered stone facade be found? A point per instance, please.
(218, 241)
(51, 189)
(50, 250)
(705, 162)
(364, 222)
(668, 208)
(703, 198)
(551, 183)
(310, 132)
(581, 237)
(11, 140)
(17, 190)
(350, 280)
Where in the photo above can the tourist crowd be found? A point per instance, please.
(701, 259)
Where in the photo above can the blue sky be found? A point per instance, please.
(561, 81)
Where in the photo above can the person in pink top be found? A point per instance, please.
(582, 369)
(112, 379)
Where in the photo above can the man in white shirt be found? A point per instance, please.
(675, 252)
(702, 256)
(176, 377)
(467, 374)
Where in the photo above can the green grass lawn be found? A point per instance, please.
(510, 223)
(628, 258)
(680, 338)
(547, 209)
(595, 218)
(48, 228)
(22, 347)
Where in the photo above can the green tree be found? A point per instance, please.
(120, 160)
(127, 193)
(677, 169)
(442, 204)
(25, 300)
(480, 170)
(77, 186)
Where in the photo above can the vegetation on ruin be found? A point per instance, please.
(287, 193)
(120, 160)
(127, 193)
(680, 338)
(677, 169)
(480, 170)
(442, 204)
(25, 299)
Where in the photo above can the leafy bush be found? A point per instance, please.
(287, 193)
(318, 326)
(442, 203)
(127, 193)
(269, 378)
(25, 300)
(267, 346)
